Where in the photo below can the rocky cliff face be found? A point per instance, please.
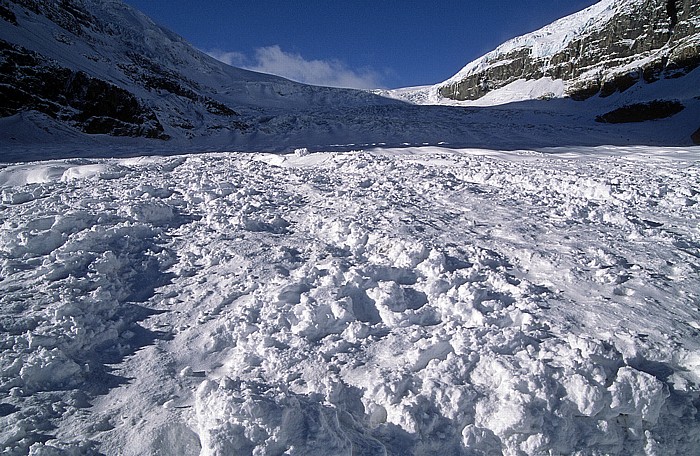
(29, 82)
(606, 48)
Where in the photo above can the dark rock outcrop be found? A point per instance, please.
(641, 112)
(672, 11)
(603, 58)
(68, 14)
(696, 137)
(29, 82)
(7, 15)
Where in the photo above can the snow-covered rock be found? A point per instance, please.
(605, 48)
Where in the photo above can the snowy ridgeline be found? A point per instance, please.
(421, 301)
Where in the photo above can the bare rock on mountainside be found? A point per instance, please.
(696, 137)
(641, 112)
(604, 49)
(92, 105)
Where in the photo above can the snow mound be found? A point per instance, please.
(18, 175)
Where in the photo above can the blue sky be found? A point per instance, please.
(361, 43)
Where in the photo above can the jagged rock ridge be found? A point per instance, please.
(606, 48)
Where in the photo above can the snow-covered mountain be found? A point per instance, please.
(604, 49)
(103, 67)
(102, 77)
(601, 50)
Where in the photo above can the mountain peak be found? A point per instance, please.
(600, 50)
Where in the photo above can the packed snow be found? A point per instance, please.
(387, 301)
(420, 300)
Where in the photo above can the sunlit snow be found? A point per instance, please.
(413, 301)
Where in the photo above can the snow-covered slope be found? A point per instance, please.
(603, 49)
(103, 67)
(419, 301)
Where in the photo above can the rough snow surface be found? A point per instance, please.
(413, 301)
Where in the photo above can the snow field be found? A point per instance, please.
(406, 301)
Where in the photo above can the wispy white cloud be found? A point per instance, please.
(273, 60)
